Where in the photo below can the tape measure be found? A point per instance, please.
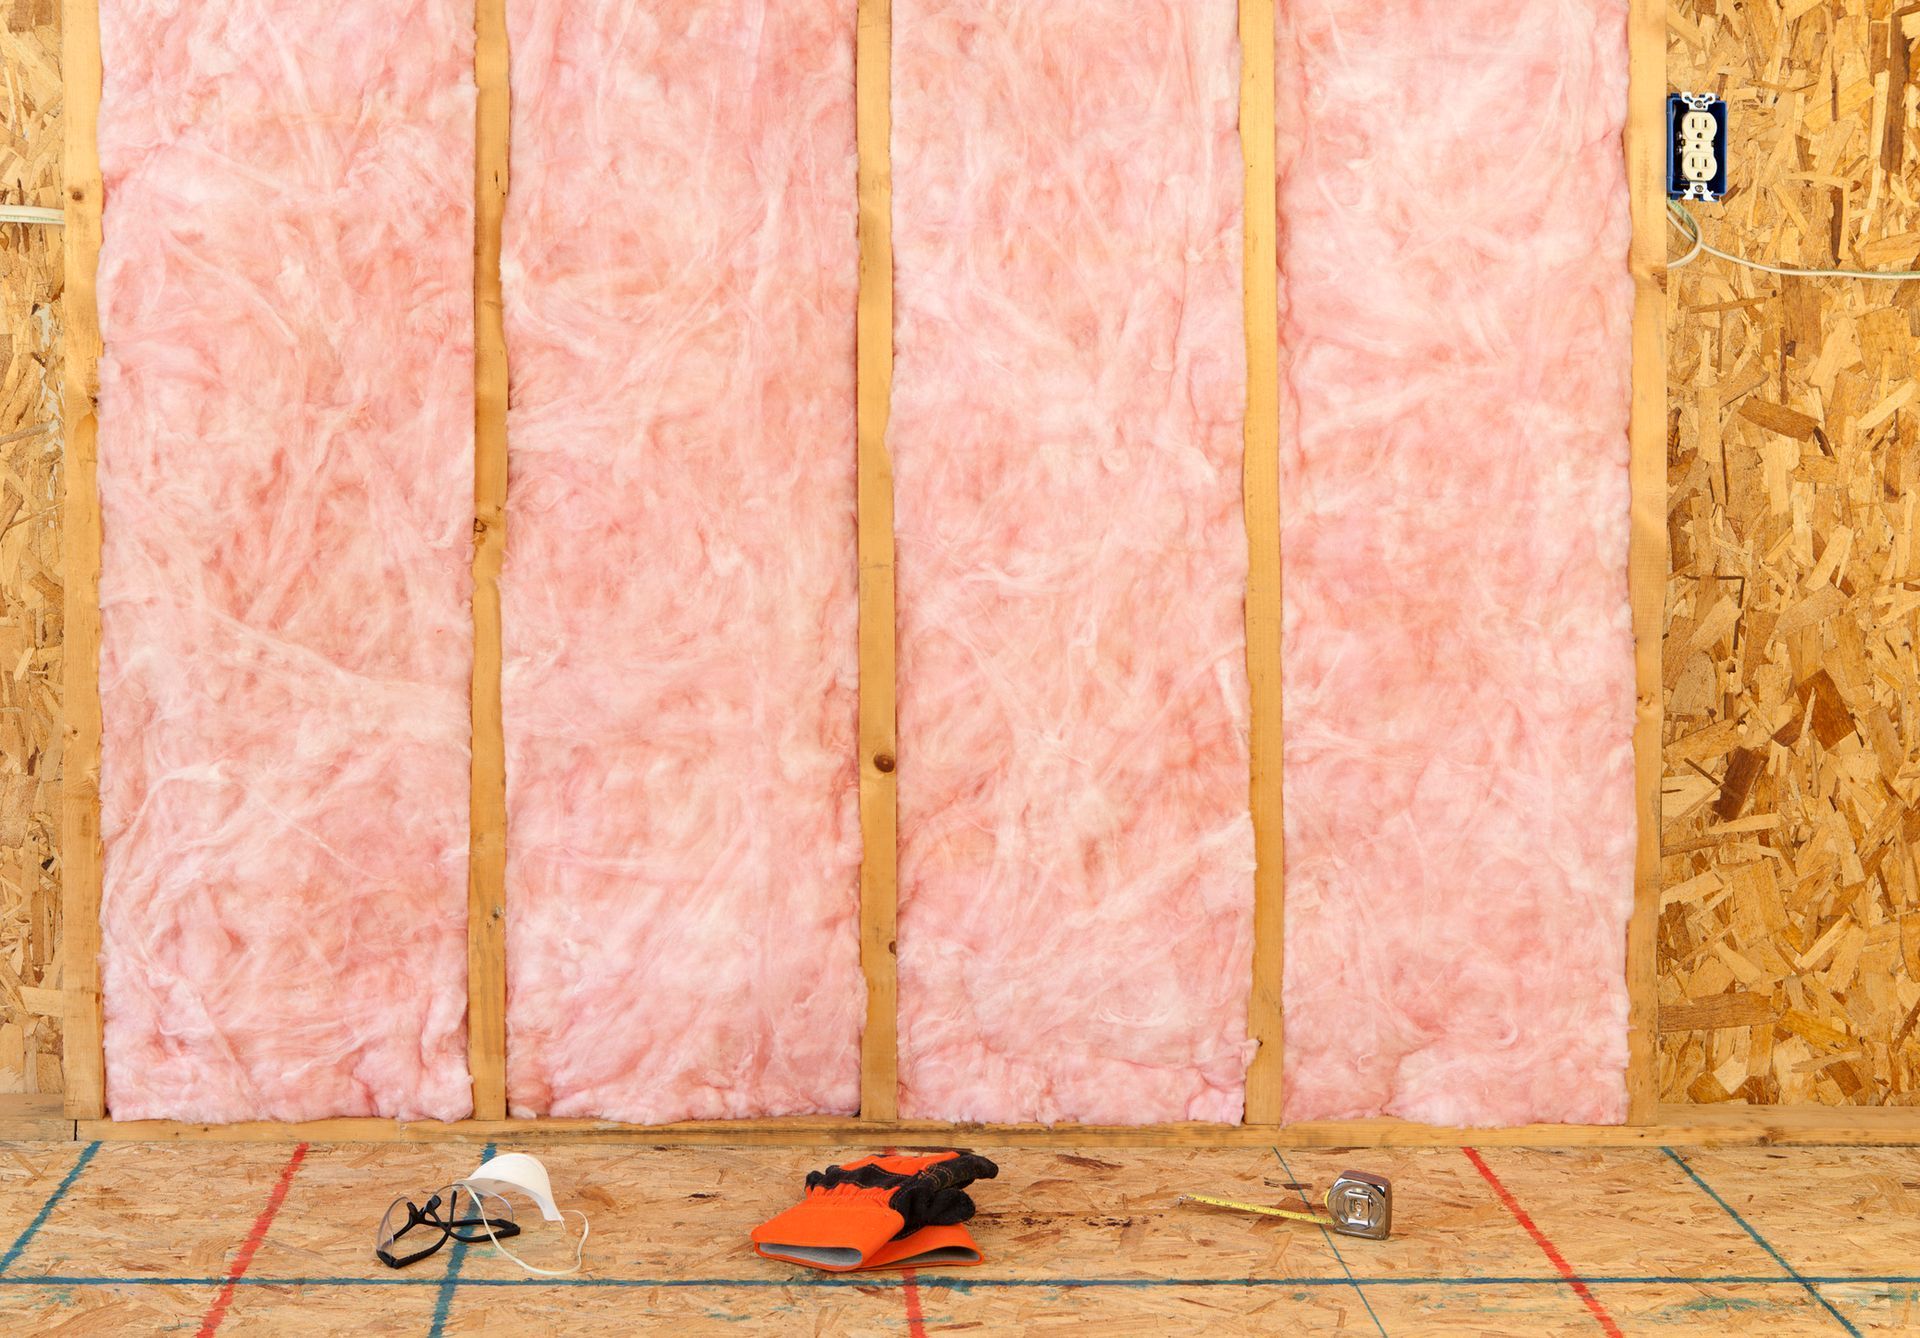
(1358, 1204)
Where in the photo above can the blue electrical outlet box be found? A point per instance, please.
(1696, 146)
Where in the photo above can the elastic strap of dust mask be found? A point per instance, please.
(524, 1173)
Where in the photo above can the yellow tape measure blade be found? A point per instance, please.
(1291, 1214)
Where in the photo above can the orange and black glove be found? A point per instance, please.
(852, 1212)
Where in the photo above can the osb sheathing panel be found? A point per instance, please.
(1790, 928)
(1790, 939)
(30, 281)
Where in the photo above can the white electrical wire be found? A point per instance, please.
(1682, 218)
(28, 213)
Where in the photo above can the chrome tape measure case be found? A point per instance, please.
(1361, 1205)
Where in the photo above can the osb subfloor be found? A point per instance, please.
(257, 1238)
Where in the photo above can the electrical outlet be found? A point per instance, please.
(1696, 146)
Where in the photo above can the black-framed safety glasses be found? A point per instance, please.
(467, 1217)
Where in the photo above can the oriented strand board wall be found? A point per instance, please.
(30, 605)
(1790, 937)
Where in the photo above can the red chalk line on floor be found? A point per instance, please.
(1554, 1257)
(916, 1318)
(243, 1258)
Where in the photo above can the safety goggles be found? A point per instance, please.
(451, 1212)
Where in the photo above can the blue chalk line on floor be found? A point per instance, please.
(958, 1283)
(1793, 1274)
(450, 1283)
(46, 1209)
(1334, 1245)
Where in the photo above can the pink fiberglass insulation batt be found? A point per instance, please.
(1076, 855)
(286, 485)
(679, 591)
(1458, 656)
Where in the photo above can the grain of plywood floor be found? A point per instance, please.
(236, 1239)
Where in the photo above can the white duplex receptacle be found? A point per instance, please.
(1698, 130)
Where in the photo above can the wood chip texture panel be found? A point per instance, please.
(1790, 926)
(30, 574)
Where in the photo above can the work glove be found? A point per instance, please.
(944, 1245)
(852, 1212)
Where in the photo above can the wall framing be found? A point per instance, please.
(1261, 487)
(873, 391)
(85, 1063)
(1647, 1122)
(1703, 1126)
(1647, 546)
(487, 849)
